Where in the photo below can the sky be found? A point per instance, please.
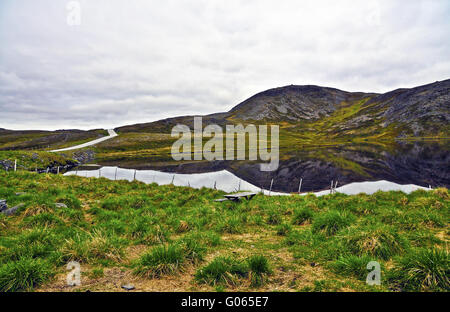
(121, 62)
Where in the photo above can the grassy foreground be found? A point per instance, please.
(167, 238)
(32, 160)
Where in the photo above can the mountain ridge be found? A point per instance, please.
(422, 110)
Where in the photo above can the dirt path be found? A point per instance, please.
(111, 135)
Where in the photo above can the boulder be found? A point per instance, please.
(128, 287)
(13, 210)
(60, 205)
(3, 205)
(6, 164)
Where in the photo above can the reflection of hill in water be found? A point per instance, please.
(421, 163)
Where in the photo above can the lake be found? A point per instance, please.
(422, 163)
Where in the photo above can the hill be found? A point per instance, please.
(41, 139)
(419, 111)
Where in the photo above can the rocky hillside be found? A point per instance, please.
(419, 111)
(37, 139)
(294, 103)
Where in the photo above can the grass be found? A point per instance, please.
(160, 260)
(31, 160)
(378, 241)
(332, 222)
(227, 270)
(222, 270)
(14, 140)
(259, 269)
(302, 215)
(24, 274)
(352, 265)
(283, 229)
(423, 270)
(168, 236)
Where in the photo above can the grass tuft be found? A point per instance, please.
(302, 216)
(259, 269)
(422, 270)
(24, 274)
(352, 266)
(222, 270)
(160, 260)
(378, 241)
(332, 222)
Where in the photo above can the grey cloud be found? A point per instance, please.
(141, 61)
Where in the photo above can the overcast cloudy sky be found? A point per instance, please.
(139, 61)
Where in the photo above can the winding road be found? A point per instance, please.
(111, 135)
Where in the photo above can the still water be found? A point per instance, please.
(423, 164)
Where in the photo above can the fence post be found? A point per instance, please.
(215, 185)
(335, 186)
(57, 170)
(300, 185)
(15, 165)
(134, 177)
(115, 175)
(270, 190)
(100, 172)
(239, 186)
(173, 178)
(331, 187)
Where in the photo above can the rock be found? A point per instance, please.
(6, 164)
(13, 210)
(313, 264)
(60, 205)
(128, 287)
(84, 156)
(20, 193)
(3, 205)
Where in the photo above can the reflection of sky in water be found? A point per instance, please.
(226, 181)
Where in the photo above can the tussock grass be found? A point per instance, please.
(88, 247)
(193, 249)
(230, 225)
(160, 260)
(180, 227)
(259, 269)
(283, 229)
(332, 222)
(274, 217)
(43, 220)
(24, 274)
(422, 270)
(379, 241)
(442, 193)
(352, 265)
(302, 215)
(222, 270)
(226, 270)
